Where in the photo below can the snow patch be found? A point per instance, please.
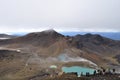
(3, 38)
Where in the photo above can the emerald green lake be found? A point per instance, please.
(77, 69)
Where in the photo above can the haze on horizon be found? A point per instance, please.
(61, 15)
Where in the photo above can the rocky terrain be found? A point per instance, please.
(25, 57)
(73, 77)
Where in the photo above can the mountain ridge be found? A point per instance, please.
(38, 50)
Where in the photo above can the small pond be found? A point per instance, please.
(78, 69)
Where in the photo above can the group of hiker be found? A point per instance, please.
(101, 71)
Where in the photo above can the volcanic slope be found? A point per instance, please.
(51, 43)
(31, 54)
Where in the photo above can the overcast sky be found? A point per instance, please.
(61, 15)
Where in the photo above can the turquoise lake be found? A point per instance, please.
(77, 69)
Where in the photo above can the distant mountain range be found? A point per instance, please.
(111, 35)
(6, 36)
(31, 54)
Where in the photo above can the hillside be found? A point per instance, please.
(32, 54)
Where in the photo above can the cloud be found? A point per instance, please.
(58, 29)
(62, 15)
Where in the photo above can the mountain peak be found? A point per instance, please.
(49, 30)
(44, 35)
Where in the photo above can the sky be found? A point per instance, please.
(61, 15)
